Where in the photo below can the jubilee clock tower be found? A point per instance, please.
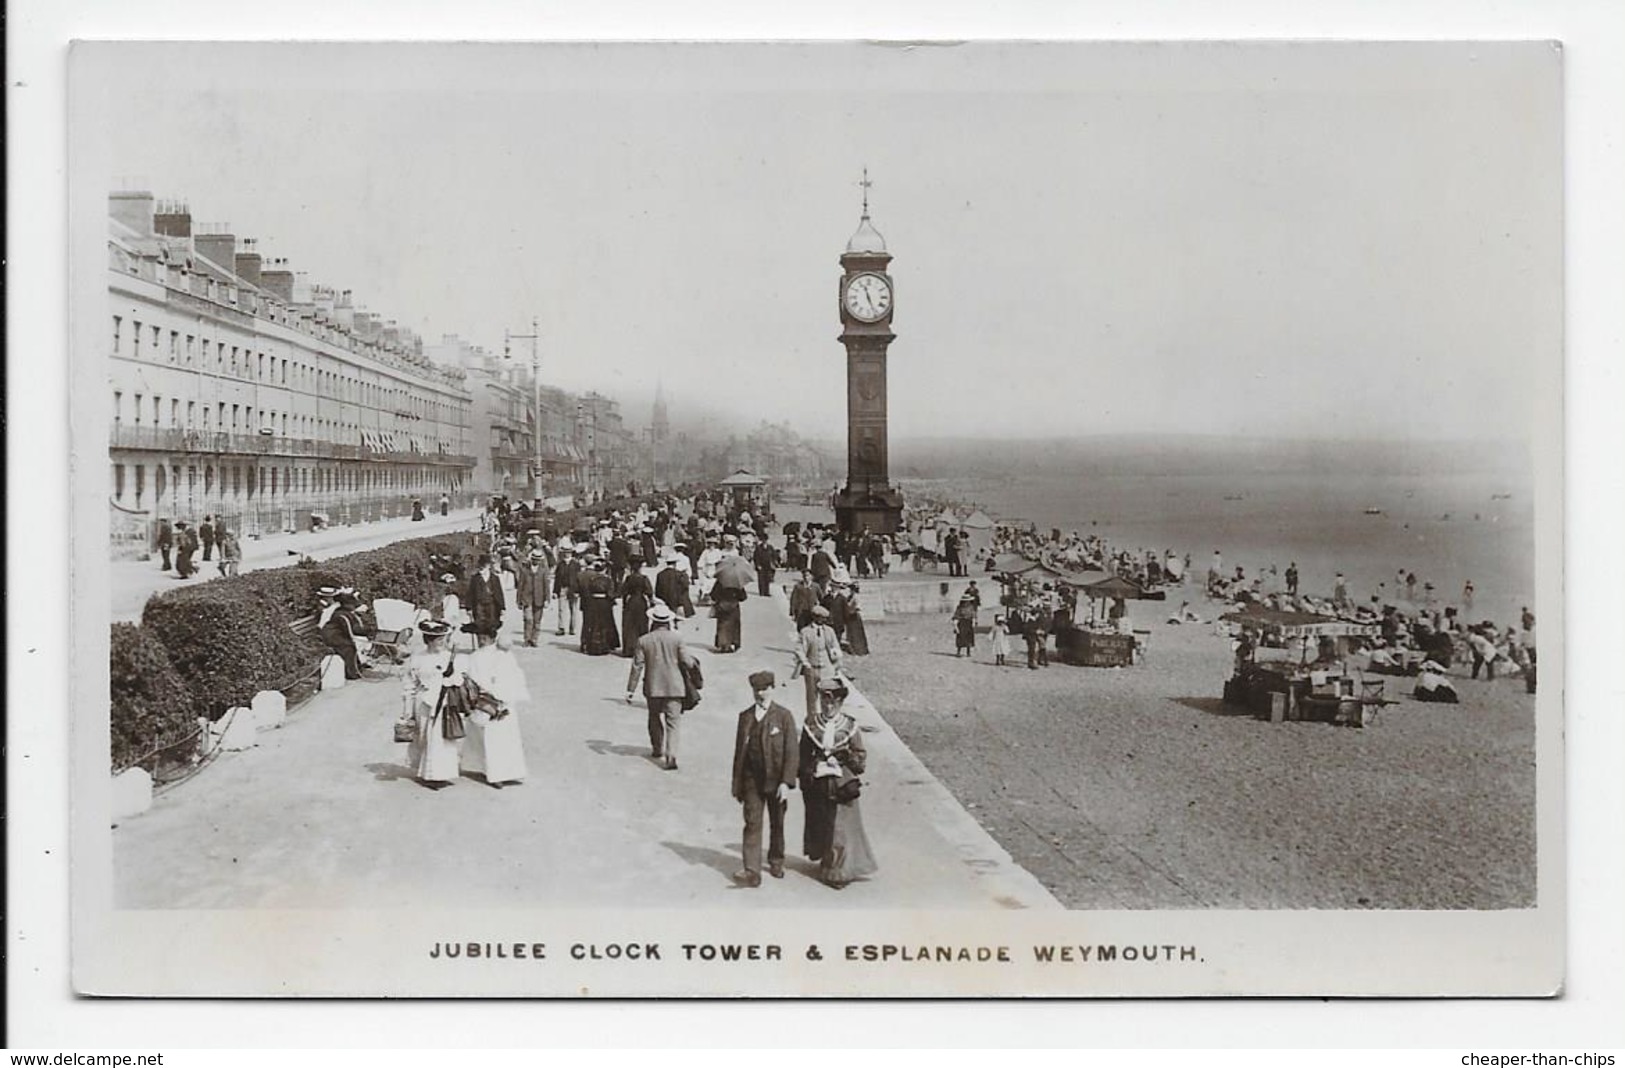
(866, 306)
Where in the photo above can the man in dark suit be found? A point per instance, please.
(671, 586)
(822, 567)
(766, 757)
(484, 601)
(766, 559)
(166, 541)
(659, 660)
(620, 554)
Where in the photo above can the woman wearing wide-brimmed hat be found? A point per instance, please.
(434, 758)
(637, 596)
(832, 759)
(599, 634)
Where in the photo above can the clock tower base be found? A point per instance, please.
(877, 507)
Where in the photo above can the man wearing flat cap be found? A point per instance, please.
(766, 758)
(818, 654)
(659, 660)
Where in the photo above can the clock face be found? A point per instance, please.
(868, 298)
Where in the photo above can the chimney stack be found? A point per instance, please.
(247, 265)
(172, 219)
(279, 280)
(133, 208)
(220, 245)
(344, 311)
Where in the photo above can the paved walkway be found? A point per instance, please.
(324, 815)
(131, 582)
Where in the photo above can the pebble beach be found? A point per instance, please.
(1138, 788)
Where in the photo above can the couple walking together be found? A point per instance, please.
(824, 758)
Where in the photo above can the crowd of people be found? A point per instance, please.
(1417, 632)
(631, 583)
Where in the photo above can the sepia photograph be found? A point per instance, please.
(527, 497)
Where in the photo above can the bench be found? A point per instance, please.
(304, 686)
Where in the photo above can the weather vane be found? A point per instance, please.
(866, 183)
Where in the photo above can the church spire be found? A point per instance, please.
(661, 421)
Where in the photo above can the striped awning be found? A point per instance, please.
(380, 441)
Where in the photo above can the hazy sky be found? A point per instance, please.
(1265, 239)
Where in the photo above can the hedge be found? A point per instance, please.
(152, 706)
(203, 649)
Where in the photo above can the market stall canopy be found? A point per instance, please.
(1020, 567)
(1299, 624)
(741, 478)
(1075, 575)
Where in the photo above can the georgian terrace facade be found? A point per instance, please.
(240, 392)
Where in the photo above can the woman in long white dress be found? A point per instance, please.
(433, 758)
(495, 747)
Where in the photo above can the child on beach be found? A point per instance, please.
(1001, 640)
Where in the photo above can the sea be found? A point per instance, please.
(1447, 528)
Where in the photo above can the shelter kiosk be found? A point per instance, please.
(745, 490)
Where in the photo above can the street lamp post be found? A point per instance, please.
(534, 338)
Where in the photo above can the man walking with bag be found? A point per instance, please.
(766, 760)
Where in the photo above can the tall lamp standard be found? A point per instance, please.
(534, 337)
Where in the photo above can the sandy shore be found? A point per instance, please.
(1138, 788)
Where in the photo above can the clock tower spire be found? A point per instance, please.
(865, 301)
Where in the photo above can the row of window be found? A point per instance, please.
(309, 378)
(242, 419)
(244, 480)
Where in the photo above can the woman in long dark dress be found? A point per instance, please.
(637, 597)
(832, 758)
(857, 637)
(835, 603)
(598, 632)
(725, 606)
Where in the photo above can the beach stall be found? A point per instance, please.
(1294, 666)
(1106, 639)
